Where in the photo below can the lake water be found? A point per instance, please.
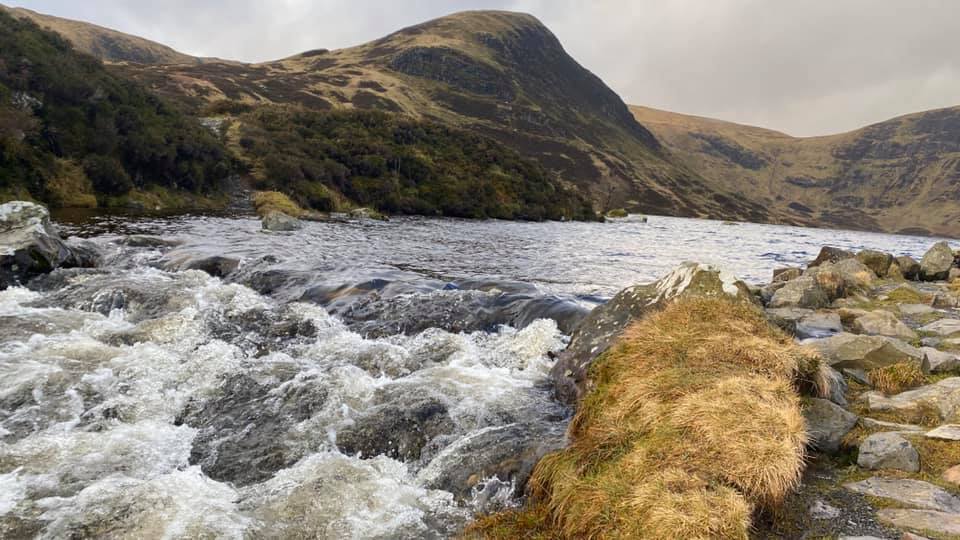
(347, 380)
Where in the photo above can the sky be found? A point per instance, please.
(811, 67)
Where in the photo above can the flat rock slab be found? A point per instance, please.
(916, 309)
(819, 325)
(865, 352)
(941, 361)
(943, 327)
(908, 492)
(921, 520)
(882, 323)
(874, 424)
(947, 432)
(944, 395)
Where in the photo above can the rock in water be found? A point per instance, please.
(278, 221)
(936, 263)
(30, 245)
(605, 323)
(888, 451)
(827, 424)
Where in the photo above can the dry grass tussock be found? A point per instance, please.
(898, 377)
(694, 422)
(273, 201)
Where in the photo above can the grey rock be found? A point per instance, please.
(945, 300)
(941, 361)
(830, 254)
(30, 245)
(786, 274)
(804, 292)
(822, 510)
(858, 375)
(874, 424)
(399, 428)
(943, 395)
(819, 325)
(827, 424)
(909, 267)
(936, 263)
(946, 432)
(921, 520)
(909, 492)
(915, 309)
(943, 327)
(767, 291)
(888, 451)
(278, 222)
(787, 318)
(882, 323)
(604, 324)
(836, 385)
(866, 352)
(877, 261)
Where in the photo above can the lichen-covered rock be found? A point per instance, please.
(605, 323)
(888, 451)
(804, 292)
(827, 424)
(866, 352)
(877, 261)
(882, 323)
(30, 244)
(278, 221)
(830, 255)
(936, 262)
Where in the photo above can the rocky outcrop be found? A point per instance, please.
(936, 263)
(30, 245)
(605, 323)
(888, 451)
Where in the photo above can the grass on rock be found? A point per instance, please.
(273, 201)
(693, 423)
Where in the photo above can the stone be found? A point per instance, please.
(787, 318)
(921, 520)
(855, 274)
(858, 375)
(786, 274)
(945, 300)
(916, 493)
(915, 309)
(952, 475)
(866, 352)
(882, 323)
(767, 291)
(877, 261)
(954, 274)
(946, 432)
(827, 424)
(888, 451)
(598, 330)
(819, 325)
(829, 279)
(909, 267)
(822, 510)
(941, 361)
(215, 265)
(835, 385)
(830, 255)
(802, 292)
(278, 222)
(943, 327)
(874, 424)
(30, 245)
(942, 396)
(936, 263)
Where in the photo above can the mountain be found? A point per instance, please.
(74, 133)
(500, 74)
(901, 175)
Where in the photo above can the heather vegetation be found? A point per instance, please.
(397, 164)
(72, 133)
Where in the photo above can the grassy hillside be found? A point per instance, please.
(502, 75)
(397, 164)
(72, 133)
(898, 175)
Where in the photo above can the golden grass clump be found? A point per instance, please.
(265, 202)
(898, 377)
(693, 423)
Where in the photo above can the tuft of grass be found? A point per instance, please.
(70, 187)
(273, 201)
(692, 424)
(898, 377)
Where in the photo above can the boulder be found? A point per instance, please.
(945, 300)
(942, 396)
(866, 352)
(952, 475)
(829, 279)
(30, 244)
(888, 451)
(215, 265)
(786, 274)
(943, 327)
(946, 432)
(877, 261)
(936, 263)
(804, 292)
(819, 324)
(908, 492)
(946, 523)
(915, 309)
(856, 275)
(909, 267)
(278, 222)
(399, 428)
(941, 361)
(603, 325)
(830, 255)
(827, 424)
(787, 318)
(882, 323)
(768, 290)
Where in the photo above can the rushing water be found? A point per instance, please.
(348, 380)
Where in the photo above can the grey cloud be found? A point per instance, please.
(806, 68)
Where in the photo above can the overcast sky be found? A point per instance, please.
(806, 67)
